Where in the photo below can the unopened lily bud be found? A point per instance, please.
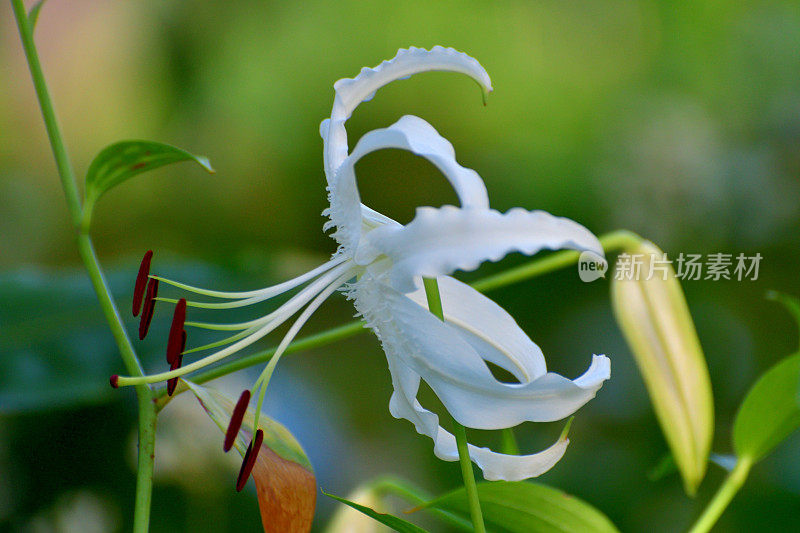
(348, 520)
(283, 475)
(651, 310)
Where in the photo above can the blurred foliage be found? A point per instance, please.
(679, 121)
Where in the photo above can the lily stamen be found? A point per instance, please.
(249, 460)
(266, 374)
(222, 342)
(281, 315)
(236, 420)
(149, 308)
(177, 335)
(141, 282)
(271, 291)
(291, 306)
(172, 383)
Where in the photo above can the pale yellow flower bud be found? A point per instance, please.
(651, 311)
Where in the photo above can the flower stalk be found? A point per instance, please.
(460, 432)
(723, 497)
(147, 412)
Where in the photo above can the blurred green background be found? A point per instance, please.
(677, 120)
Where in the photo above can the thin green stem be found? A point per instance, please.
(144, 394)
(468, 474)
(611, 242)
(148, 416)
(48, 114)
(147, 412)
(433, 296)
(509, 445)
(723, 497)
(460, 432)
(89, 257)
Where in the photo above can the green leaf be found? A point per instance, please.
(123, 160)
(770, 412)
(33, 14)
(398, 524)
(523, 507)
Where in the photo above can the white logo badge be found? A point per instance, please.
(591, 266)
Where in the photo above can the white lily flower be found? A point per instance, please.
(380, 264)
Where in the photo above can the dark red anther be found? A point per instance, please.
(173, 382)
(176, 364)
(114, 380)
(141, 282)
(236, 420)
(176, 333)
(149, 307)
(183, 341)
(249, 460)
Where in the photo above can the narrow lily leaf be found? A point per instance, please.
(123, 160)
(33, 14)
(652, 313)
(523, 507)
(350, 520)
(284, 479)
(398, 524)
(770, 411)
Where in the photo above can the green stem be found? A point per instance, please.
(723, 497)
(89, 257)
(144, 394)
(460, 432)
(509, 445)
(468, 474)
(45, 103)
(148, 416)
(147, 412)
(611, 242)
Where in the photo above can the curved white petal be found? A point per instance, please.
(495, 466)
(441, 240)
(491, 331)
(457, 373)
(417, 136)
(352, 91)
